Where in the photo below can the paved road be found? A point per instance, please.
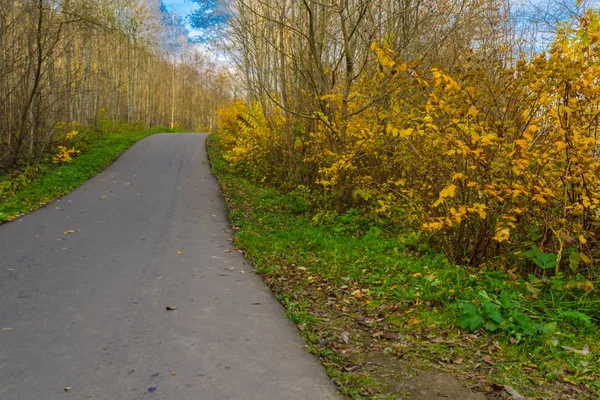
(87, 310)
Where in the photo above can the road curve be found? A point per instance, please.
(87, 310)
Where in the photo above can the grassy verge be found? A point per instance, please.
(380, 310)
(47, 182)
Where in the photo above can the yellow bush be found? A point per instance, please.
(228, 117)
(64, 155)
(254, 145)
(488, 160)
(71, 135)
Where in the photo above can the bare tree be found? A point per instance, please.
(68, 63)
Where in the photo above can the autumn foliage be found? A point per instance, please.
(495, 162)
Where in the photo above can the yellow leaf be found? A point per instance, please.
(414, 320)
(448, 191)
(521, 143)
(582, 239)
(502, 235)
(586, 201)
(560, 146)
(406, 132)
(584, 259)
(458, 175)
(473, 111)
(479, 209)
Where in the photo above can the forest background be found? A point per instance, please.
(72, 72)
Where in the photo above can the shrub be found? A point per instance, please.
(495, 162)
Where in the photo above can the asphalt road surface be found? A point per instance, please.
(87, 310)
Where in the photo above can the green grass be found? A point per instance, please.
(377, 309)
(51, 182)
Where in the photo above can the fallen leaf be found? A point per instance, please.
(70, 231)
(301, 327)
(171, 308)
(5, 329)
(585, 351)
(458, 361)
(10, 269)
(179, 252)
(173, 373)
(391, 336)
(377, 334)
(345, 337)
(68, 388)
(227, 251)
(414, 320)
(488, 359)
(515, 395)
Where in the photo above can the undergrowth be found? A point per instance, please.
(358, 291)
